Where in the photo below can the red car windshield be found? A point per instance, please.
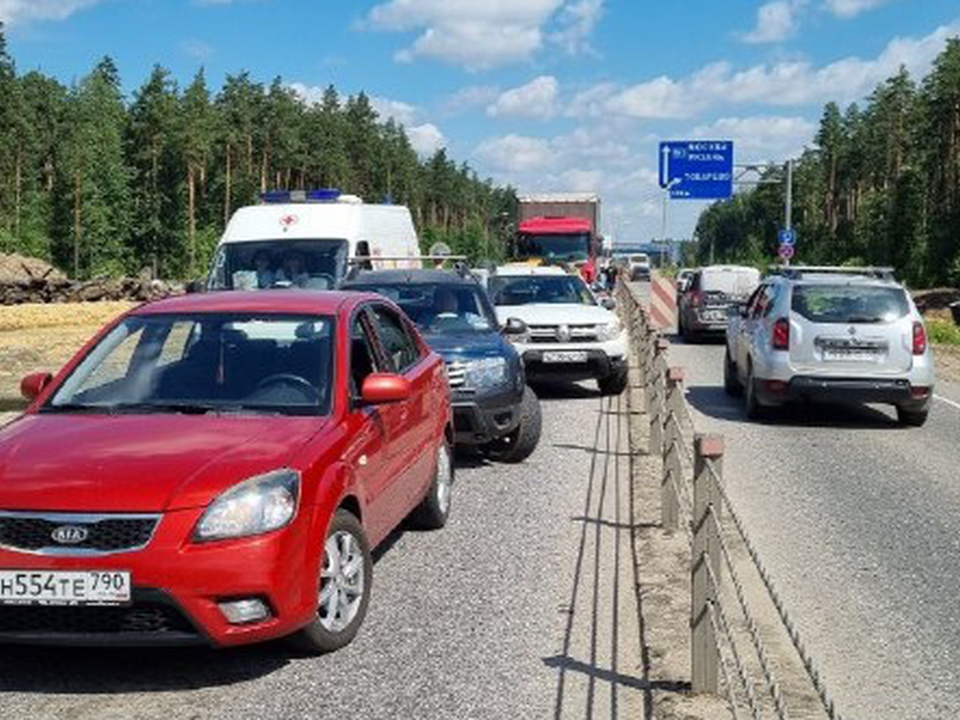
(206, 363)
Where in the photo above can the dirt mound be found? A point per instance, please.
(22, 270)
(937, 298)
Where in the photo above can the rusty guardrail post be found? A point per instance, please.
(672, 470)
(708, 460)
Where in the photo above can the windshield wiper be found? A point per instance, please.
(134, 408)
(864, 319)
(75, 408)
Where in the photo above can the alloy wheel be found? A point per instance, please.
(341, 581)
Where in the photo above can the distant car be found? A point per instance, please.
(216, 469)
(831, 335)
(638, 267)
(683, 279)
(702, 307)
(492, 406)
(571, 335)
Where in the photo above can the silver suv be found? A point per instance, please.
(844, 335)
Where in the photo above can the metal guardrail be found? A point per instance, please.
(693, 499)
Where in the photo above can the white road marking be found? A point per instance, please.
(951, 403)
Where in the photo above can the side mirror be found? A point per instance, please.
(32, 385)
(515, 326)
(383, 388)
(608, 303)
(195, 286)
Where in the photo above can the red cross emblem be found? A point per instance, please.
(288, 220)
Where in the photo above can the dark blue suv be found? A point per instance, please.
(492, 406)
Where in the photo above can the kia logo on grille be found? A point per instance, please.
(69, 535)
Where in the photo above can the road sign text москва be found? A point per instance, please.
(697, 169)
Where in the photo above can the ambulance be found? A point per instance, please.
(311, 239)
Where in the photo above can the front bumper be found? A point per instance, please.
(478, 420)
(598, 366)
(897, 392)
(177, 585)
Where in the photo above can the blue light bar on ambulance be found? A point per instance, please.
(300, 196)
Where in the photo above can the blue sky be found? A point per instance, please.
(547, 94)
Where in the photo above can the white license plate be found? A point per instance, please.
(569, 356)
(850, 356)
(56, 587)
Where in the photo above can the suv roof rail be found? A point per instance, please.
(798, 271)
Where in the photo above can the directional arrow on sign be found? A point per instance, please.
(664, 166)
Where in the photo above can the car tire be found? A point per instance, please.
(615, 383)
(731, 383)
(518, 445)
(755, 411)
(343, 595)
(912, 418)
(433, 511)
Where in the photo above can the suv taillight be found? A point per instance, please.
(781, 334)
(696, 298)
(919, 338)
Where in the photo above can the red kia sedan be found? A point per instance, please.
(217, 468)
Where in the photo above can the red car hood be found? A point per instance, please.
(139, 463)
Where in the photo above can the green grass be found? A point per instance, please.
(943, 332)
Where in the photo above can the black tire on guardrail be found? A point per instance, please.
(912, 418)
(615, 383)
(731, 383)
(520, 444)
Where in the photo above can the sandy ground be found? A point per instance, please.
(37, 338)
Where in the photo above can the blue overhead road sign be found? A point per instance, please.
(697, 169)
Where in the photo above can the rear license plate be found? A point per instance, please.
(851, 355)
(570, 356)
(54, 587)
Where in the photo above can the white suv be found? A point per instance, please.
(830, 335)
(569, 334)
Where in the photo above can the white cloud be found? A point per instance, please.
(16, 12)
(476, 35)
(197, 49)
(516, 153)
(780, 84)
(776, 21)
(426, 139)
(488, 33)
(577, 21)
(761, 138)
(536, 99)
(852, 8)
(401, 112)
(470, 97)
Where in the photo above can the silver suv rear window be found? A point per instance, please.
(850, 304)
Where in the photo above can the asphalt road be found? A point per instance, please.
(858, 521)
(523, 607)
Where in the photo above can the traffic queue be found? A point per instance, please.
(234, 457)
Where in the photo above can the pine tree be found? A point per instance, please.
(197, 135)
(151, 153)
(94, 178)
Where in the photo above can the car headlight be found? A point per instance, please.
(259, 505)
(610, 331)
(486, 372)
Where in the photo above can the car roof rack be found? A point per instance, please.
(361, 262)
(798, 271)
